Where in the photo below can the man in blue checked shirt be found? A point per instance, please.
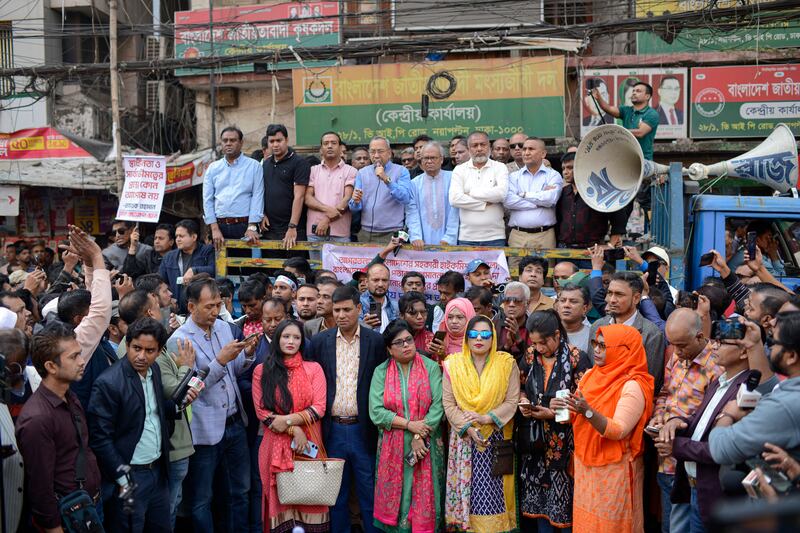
(233, 192)
(382, 190)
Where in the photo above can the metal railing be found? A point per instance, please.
(224, 261)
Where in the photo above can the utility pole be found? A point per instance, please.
(114, 75)
(212, 100)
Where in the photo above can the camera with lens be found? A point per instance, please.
(500, 288)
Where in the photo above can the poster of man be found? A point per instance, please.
(616, 86)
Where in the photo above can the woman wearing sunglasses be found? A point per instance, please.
(609, 413)
(480, 392)
(405, 403)
(546, 446)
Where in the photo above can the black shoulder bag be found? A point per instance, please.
(78, 511)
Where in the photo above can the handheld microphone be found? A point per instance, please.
(748, 396)
(192, 380)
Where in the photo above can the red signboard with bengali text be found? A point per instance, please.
(39, 143)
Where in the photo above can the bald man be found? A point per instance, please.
(689, 371)
(515, 145)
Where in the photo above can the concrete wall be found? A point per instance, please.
(251, 115)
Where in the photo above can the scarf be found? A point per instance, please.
(389, 480)
(602, 388)
(483, 393)
(557, 436)
(302, 396)
(454, 343)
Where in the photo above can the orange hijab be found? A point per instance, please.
(602, 388)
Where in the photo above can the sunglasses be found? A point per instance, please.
(513, 299)
(119, 231)
(474, 334)
(516, 146)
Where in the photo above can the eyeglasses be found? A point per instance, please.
(431, 158)
(598, 345)
(399, 343)
(408, 160)
(474, 334)
(515, 146)
(119, 231)
(513, 299)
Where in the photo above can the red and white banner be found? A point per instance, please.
(344, 260)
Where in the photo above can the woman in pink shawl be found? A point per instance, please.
(458, 312)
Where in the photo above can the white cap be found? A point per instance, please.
(659, 252)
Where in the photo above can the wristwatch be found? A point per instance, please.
(416, 436)
(292, 226)
(588, 414)
(252, 227)
(288, 421)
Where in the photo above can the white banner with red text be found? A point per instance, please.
(344, 260)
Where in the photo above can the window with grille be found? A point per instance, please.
(152, 96)
(6, 56)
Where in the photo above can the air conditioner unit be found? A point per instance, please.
(151, 48)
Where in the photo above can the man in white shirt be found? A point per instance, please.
(478, 188)
(532, 195)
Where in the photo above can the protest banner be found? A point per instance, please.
(143, 193)
(344, 260)
(498, 96)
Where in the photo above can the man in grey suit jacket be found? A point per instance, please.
(622, 300)
(218, 416)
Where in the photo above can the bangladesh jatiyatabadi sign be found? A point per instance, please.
(744, 101)
(498, 96)
(255, 29)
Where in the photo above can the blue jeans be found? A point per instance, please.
(497, 243)
(255, 486)
(347, 442)
(675, 516)
(695, 519)
(150, 507)
(232, 454)
(177, 473)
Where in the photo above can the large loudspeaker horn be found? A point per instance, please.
(772, 163)
(609, 167)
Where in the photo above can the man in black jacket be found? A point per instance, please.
(130, 423)
(349, 355)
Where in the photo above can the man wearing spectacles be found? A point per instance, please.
(382, 190)
(510, 322)
(116, 252)
(429, 216)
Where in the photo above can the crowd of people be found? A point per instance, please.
(136, 395)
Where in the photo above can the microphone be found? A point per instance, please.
(748, 396)
(192, 380)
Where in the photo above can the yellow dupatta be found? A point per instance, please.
(483, 393)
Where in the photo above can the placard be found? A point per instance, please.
(143, 193)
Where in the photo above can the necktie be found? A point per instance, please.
(672, 118)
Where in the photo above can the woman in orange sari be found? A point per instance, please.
(610, 409)
(288, 392)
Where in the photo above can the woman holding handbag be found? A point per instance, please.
(546, 446)
(610, 409)
(405, 403)
(480, 391)
(289, 398)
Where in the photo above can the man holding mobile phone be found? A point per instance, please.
(377, 308)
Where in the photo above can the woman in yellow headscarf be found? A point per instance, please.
(480, 393)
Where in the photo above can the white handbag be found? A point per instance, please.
(312, 481)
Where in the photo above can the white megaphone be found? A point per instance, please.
(772, 163)
(609, 168)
